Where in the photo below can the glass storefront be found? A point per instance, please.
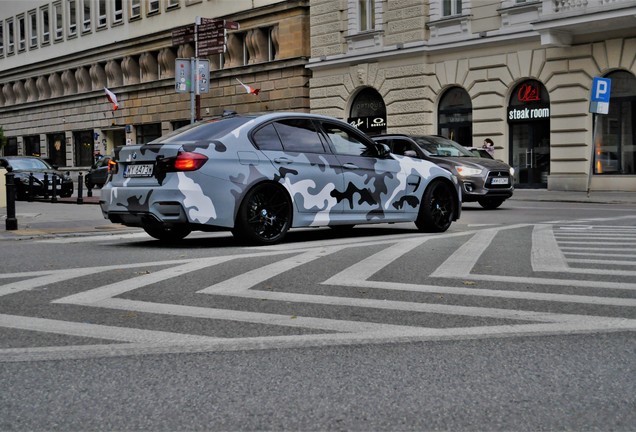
(455, 118)
(57, 148)
(615, 146)
(368, 112)
(529, 124)
(84, 145)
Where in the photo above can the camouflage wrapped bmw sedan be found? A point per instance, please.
(260, 175)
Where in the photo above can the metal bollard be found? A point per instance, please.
(11, 223)
(30, 197)
(54, 181)
(80, 189)
(46, 185)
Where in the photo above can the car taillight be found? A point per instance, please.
(112, 167)
(189, 161)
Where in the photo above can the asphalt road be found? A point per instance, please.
(517, 319)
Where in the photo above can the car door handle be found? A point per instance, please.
(349, 165)
(283, 161)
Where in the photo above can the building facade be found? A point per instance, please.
(58, 57)
(517, 71)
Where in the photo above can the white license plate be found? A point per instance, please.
(499, 181)
(141, 170)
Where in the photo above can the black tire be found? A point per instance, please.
(168, 234)
(265, 215)
(437, 208)
(490, 203)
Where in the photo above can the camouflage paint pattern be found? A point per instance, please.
(323, 187)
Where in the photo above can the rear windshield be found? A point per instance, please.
(203, 131)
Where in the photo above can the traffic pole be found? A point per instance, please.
(11, 224)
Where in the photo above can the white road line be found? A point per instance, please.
(598, 261)
(103, 238)
(600, 254)
(546, 255)
(124, 334)
(566, 248)
(243, 316)
(593, 325)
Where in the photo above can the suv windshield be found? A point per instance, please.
(440, 146)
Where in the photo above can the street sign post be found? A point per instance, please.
(210, 37)
(599, 105)
(600, 98)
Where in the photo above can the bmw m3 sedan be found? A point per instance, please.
(258, 175)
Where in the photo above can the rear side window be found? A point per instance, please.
(299, 135)
(266, 138)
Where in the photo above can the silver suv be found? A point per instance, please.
(485, 180)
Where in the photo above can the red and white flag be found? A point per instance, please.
(112, 98)
(248, 88)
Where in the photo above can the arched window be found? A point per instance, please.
(455, 116)
(615, 146)
(368, 112)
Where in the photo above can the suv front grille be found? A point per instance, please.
(498, 180)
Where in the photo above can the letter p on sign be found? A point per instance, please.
(599, 102)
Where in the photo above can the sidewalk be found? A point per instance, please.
(67, 218)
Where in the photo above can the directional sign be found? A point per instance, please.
(218, 49)
(209, 30)
(600, 99)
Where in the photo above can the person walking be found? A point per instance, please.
(489, 146)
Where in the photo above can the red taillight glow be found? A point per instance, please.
(112, 167)
(189, 161)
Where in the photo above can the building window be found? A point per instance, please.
(59, 21)
(32, 145)
(451, 7)
(153, 7)
(101, 14)
(455, 116)
(366, 15)
(21, 33)
(1, 39)
(11, 36)
(72, 17)
(135, 9)
(118, 11)
(172, 4)
(368, 112)
(148, 132)
(33, 29)
(86, 22)
(44, 13)
(615, 146)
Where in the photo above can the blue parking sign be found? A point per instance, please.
(600, 98)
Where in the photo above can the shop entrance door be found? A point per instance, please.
(530, 147)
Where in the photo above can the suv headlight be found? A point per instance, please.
(512, 171)
(465, 171)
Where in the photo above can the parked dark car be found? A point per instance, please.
(258, 175)
(31, 166)
(484, 180)
(97, 176)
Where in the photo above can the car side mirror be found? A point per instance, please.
(383, 150)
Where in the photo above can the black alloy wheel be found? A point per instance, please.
(168, 234)
(265, 215)
(437, 208)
